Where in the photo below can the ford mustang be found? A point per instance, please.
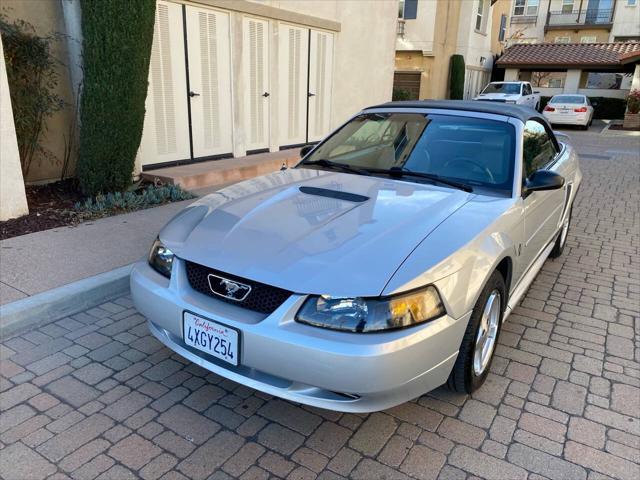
(380, 267)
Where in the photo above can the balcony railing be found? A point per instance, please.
(524, 19)
(590, 17)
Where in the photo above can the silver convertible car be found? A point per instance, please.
(378, 268)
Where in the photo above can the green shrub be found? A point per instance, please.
(131, 200)
(603, 107)
(32, 82)
(400, 94)
(456, 78)
(117, 37)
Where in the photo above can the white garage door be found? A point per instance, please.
(320, 84)
(293, 58)
(209, 81)
(255, 57)
(166, 125)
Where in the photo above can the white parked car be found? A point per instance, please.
(569, 110)
(380, 267)
(520, 93)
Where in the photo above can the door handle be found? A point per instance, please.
(311, 94)
(194, 94)
(265, 94)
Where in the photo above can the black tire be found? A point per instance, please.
(561, 240)
(463, 378)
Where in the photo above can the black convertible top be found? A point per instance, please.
(498, 108)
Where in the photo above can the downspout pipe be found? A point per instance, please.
(73, 27)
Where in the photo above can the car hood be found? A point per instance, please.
(346, 235)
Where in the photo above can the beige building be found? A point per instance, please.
(232, 77)
(575, 21)
(431, 31)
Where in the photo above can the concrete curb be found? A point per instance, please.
(54, 304)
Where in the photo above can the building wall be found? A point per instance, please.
(419, 33)
(417, 62)
(602, 36)
(626, 20)
(47, 18)
(13, 202)
(501, 7)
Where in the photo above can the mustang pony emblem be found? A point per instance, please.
(228, 288)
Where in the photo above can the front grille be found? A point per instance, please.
(262, 298)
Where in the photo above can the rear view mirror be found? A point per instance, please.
(543, 180)
(536, 91)
(305, 150)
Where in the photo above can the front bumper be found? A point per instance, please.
(327, 369)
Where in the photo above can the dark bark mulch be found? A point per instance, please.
(50, 206)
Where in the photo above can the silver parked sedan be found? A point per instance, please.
(380, 267)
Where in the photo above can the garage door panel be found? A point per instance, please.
(320, 84)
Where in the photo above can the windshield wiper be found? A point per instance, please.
(402, 172)
(335, 165)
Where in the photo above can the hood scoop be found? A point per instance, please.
(336, 194)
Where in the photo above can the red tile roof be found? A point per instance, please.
(569, 54)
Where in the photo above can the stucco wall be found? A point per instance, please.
(13, 202)
(364, 50)
(602, 36)
(46, 17)
(626, 21)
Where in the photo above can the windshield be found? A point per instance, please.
(507, 88)
(579, 99)
(475, 151)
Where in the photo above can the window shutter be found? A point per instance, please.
(503, 27)
(410, 9)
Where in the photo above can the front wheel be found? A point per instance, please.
(480, 339)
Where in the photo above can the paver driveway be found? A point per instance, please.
(95, 396)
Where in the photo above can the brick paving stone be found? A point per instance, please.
(369, 469)
(416, 414)
(544, 464)
(188, 424)
(587, 432)
(477, 413)
(328, 438)
(243, 459)
(280, 439)
(373, 434)
(211, 455)
(395, 451)
(569, 397)
(461, 432)
(423, 463)
(81, 433)
(484, 465)
(310, 459)
(83, 455)
(601, 462)
(625, 399)
(134, 451)
(72, 391)
(290, 416)
(18, 461)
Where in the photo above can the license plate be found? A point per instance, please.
(211, 337)
(564, 110)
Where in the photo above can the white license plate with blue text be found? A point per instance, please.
(211, 337)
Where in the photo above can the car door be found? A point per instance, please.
(542, 209)
(528, 93)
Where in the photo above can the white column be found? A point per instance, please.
(511, 74)
(572, 81)
(635, 83)
(13, 200)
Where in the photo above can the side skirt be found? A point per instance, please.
(527, 280)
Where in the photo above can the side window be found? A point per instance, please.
(538, 148)
(526, 89)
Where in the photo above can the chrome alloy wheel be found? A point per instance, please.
(487, 333)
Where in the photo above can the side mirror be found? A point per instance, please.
(542, 180)
(594, 103)
(306, 149)
(536, 91)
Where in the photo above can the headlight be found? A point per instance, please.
(161, 258)
(361, 314)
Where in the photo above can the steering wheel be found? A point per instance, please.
(475, 166)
